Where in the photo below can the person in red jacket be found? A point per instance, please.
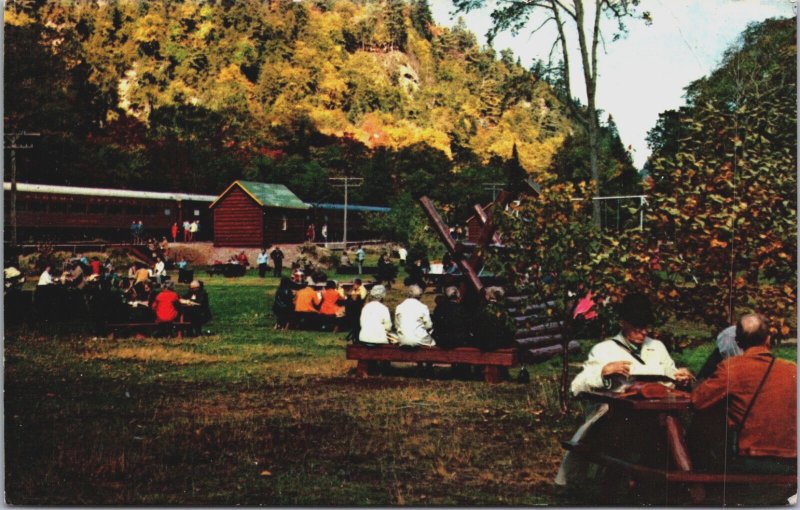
(767, 435)
(166, 307)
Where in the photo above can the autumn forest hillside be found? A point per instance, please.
(191, 95)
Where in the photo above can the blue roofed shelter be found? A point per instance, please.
(254, 214)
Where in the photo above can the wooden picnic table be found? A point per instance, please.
(668, 409)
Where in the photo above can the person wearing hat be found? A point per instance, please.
(376, 321)
(630, 352)
(610, 366)
(200, 313)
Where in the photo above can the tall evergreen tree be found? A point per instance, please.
(396, 24)
(422, 19)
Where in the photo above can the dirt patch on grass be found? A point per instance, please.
(160, 354)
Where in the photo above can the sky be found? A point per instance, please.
(644, 73)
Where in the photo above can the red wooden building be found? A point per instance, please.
(257, 214)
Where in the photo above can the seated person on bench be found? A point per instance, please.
(353, 305)
(306, 306)
(199, 313)
(413, 320)
(609, 366)
(763, 440)
(283, 306)
(376, 321)
(331, 309)
(726, 348)
(451, 323)
(166, 307)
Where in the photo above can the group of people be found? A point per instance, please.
(298, 300)
(452, 323)
(276, 255)
(311, 233)
(161, 304)
(190, 231)
(108, 296)
(746, 395)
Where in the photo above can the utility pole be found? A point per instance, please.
(346, 183)
(12, 140)
(494, 187)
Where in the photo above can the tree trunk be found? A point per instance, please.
(590, 80)
(592, 131)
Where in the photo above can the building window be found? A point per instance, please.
(77, 208)
(197, 212)
(167, 212)
(284, 223)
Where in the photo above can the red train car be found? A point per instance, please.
(48, 213)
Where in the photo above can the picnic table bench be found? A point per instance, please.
(492, 361)
(668, 409)
(178, 327)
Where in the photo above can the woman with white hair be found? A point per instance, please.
(413, 320)
(375, 318)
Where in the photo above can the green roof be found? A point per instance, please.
(270, 195)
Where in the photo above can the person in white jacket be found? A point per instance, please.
(376, 320)
(611, 364)
(413, 320)
(159, 270)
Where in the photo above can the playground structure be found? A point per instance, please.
(539, 335)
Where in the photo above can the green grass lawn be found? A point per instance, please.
(247, 415)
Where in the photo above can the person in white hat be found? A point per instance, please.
(376, 321)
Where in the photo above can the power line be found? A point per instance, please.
(346, 183)
(12, 143)
(494, 187)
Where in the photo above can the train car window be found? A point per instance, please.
(197, 212)
(114, 209)
(167, 212)
(97, 208)
(57, 207)
(133, 209)
(150, 211)
(36, 206)
(77, 208)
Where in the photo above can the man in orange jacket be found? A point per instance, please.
(306, 306)
(767, 435)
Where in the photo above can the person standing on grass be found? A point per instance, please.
(360, 256)
(277, 261)
(262, 263)
(186, 228)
